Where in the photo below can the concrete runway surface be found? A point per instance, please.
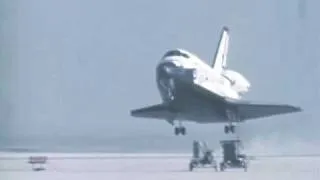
(151, 166)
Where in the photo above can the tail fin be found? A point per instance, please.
(220, 59)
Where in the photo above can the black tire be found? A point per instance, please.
(232, 128)
(183, 130)
(222, 167)
(245, 167)
(226, 129)
(216, 168)
(190, 166)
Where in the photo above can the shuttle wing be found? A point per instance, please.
(159, 111)
(252, 110)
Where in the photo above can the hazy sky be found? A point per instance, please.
(74, 69)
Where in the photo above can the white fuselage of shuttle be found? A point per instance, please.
(225, 83)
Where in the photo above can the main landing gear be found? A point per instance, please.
(229, 128)
(180, 130)
(233, 117)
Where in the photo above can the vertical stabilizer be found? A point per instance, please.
(220, 58)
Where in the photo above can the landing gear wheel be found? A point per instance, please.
(183, 130)
(232, 128)
(226, 129)
(176, 131)
(179, 130)
(229, 128)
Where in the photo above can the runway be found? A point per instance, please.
(151, 166)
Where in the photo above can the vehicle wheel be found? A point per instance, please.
(245, 167)
(221, 167)
(190, 166)
(216, 168)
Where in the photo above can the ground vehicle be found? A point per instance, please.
(232, 158)
(206, 160)
(38, 162)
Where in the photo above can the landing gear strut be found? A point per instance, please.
(233, 117)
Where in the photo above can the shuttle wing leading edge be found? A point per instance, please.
(252, 110)
(159, 111)
(246, 110)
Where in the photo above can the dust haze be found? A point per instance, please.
(71, 71)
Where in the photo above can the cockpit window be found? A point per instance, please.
(176, 53)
